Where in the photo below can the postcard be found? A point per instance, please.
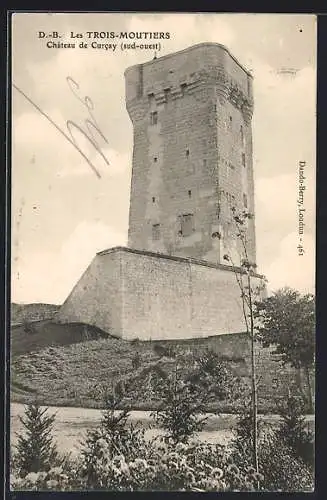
(163, 251)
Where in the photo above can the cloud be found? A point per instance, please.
(277, 217)
(290, 269)
(50, 174)
(50, 276)
(113, 163)
(276, 201)
(186, 29)
(284, 121)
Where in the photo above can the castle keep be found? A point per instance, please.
(192, 161)
(192, 158)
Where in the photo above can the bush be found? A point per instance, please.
(293, 430)
(160, 467)
(117, 456)
(281, 469)
(35, 449)
(161, 350)
(180, 405)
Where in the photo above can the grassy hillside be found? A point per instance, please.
(32, 312)
(70, 371)
(33, 337)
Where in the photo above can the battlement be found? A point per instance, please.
(186, 72)
(187, 67)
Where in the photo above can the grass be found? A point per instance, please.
(46, 334)
(30, 312)
(71, 370)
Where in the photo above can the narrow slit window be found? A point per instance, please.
(155, 159)
(189, 193)
(187, 153)
(156, 232)
(243, 160)
(187, 224)
(154, 118)
(153, 199)
(167, 93)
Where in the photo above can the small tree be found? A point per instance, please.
(35, 449)
(113, 437)
(186, 391)
(287, 321)
(294, 431)
(244, 274)
(178, 412)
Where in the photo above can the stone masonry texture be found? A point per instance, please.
(191, 113)
(192, 162)
(136, 294)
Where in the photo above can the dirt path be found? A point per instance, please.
(71, 425)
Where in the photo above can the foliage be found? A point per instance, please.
(35, 449)
(185, 392)
(54, 374)
(294, 432)
(180, 406)
(287, 320)
(28, 327)
(196, 467)
(162, 350)
(117, 456)
(281, 466)
(114, 434)
(248, 294)
(56, 478)
(136, 360)
(214, 378)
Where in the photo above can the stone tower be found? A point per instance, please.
(192, 158)
(192, 162)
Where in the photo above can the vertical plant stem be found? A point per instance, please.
(254, 385)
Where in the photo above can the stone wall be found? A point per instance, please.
(96, 299)
(134, 294)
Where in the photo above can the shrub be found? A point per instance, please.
(161, 350)
(194, 467)
(185, 392)
(35, 449)
(113, 437)
(280, 468)
(178, 412)
(293, 430)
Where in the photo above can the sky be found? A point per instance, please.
(62, 213)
